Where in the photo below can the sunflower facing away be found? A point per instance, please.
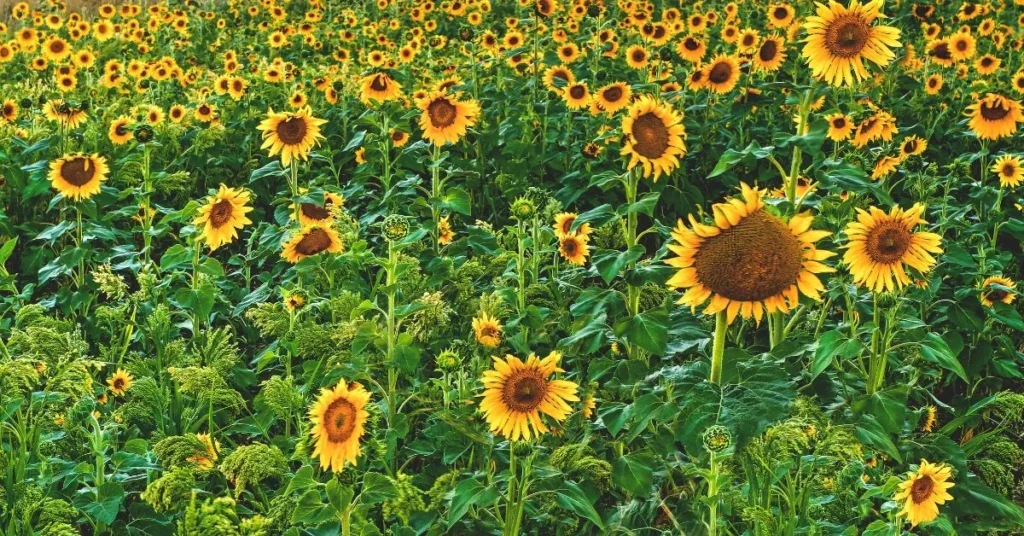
(222, 216)
(487, 330)
(990, 294)
(839, 39)
(78, 176)
(749, 261)
(881, 245)
(338, 417)
(293, 134)
(445, 119)
(312, 240)
(517, 393)
(653, 137)
(994, 116)
(923, 491)
(120, 382)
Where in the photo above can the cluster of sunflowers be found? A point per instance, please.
(288, 266)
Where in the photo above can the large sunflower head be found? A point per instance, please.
(839, 39)
(445, 119)
(881, 246)
(312, 240)
(516, 393)
(994, 116)
(613, 97)
(653, 137)
(222, 216)
(923, 491)
(78, 176)
(338, 417)
(997, 289)
(722, 73)
(292, 134)
(379, 87)
(576, 96)
(770, 54)
(1010, 170)
(749, 261)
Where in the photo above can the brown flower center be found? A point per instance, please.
(442, 113)
(524, 390)
(488, 331)
(961, 45)
(1008, 170)
(720, 73)
(994, 111)
(569, 246)
(996, 295)
(910, 146)
(768, 50)
(577, 92)
(613, 94)
(651, 136)
(314, 211)
(56, 47)
(780, 13)
(639, 55)
(748, 40)
(756, 259)
(292, 131)
(379, 83)
(921, 489)
(78, 171)
(847, 36)
(887, 242)
(691, 44)
(220, 213)
(839, 122)
(313, 242)
(118, 384)
(339, 420)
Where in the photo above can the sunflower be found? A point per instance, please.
(9, 111)
(379, 87)
(576, 96)
(722, 73)
(293, 134)
(933, 84)
(940, 52)
(881, 245)
(399, 137)
(771, 54)
(963, 46)
(206, 458)
(654, 135)
(445, 233)
(613, 97)
(222, 216)
(56, 49)
(780, 16)
(517, 393)
(487, 330)
(312, 240)
(1018, 81)
(990, 293)
(338, 417)
(637, 57)
(840, 38)
(691, 48)
(120, 382)
(574, 248)
(1010, 170)
(912, 145)
(923, 491)
(994, 116)
(987, 64)
(312, 213)
(119, 132)
(555, 78)
(205, 112)
(78, 176)
(445, 119)
(885, 166)
(839, 126)
(564, 222)
(749, 261)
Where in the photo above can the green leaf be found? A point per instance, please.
(455, 200)
(469, 492)
(104, 505)
(596, 217)
(614, 415)
(634, 473)
(377, 488)
(302, 480)
(889, 408)
(1007, 315)
(609, 262)
(870, 432)
(831, 345)
(973, 498)
(731, 157)
(310, 509)
(572, 498)
(935, 349)
(649, 331)
(339, 495)
(6, 250)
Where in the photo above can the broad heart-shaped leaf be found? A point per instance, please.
(888, 407)
(596, 217)
(103, 505)
(634, 473)
(377, 488)
(831, 345)
(648, 330)
(302, 480)
(935, 349)
(1006, 314)
(871, 433)
(467, 493)
(609, 262)
(731, 157)
(311, 509)
(455, 200)
(572, 498)
(339, 496)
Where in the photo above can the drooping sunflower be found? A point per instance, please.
(517, 393)
(487, 330)
(653, 136)
(884, 166)
(881, 246)
(722, 73)
(120, 382)
(990, 294)
(613, 97)
(379, 87)
(994, 116)
(78, 176)
(839, 126)
(312, 240)
(576, 96)
(445, 233)
(839, 39)
(770, 54)
(223, 216)
(923, 491)
(338, 417)
(292, 134)
(749, 261)
(574, 248)
(1010, 170)
(445, 119)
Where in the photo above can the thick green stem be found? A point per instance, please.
(718, 350)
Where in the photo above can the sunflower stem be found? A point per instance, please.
(718, 350)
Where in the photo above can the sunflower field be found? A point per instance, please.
(516, 267)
